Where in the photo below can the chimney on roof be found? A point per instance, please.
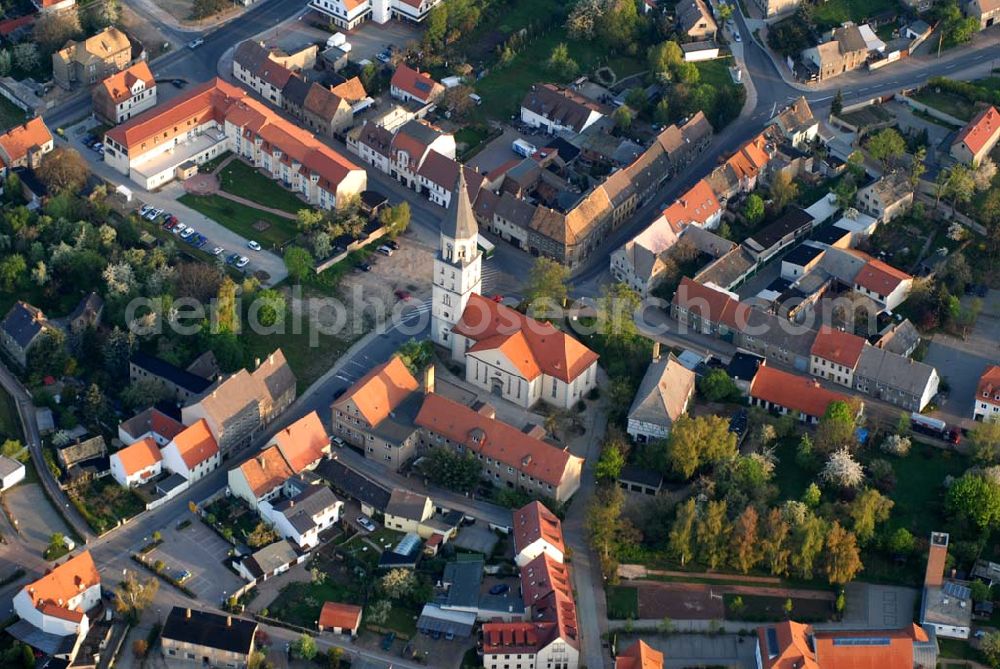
(262, 461)
(429, 379)
(656, 351)
(187, 614)
(936, 557)
(229, 621)
(256, 363)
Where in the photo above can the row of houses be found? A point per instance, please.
(170, 140)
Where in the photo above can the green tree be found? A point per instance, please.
(687, 73)
(298, 262)
(711, 532)
(867, 510)
(262, 535)
(12, 269)
(616, 308)
(886, 146)
(304, 648)
(13, 449)
(754, 209)
(308, 220)
(334, 656)
(980, 591)
(837, 104)
(984, 440)
(272, 307)
(836, 427)
(661, 113)
(717, 386)
(226, 312)
(783, 191)
(807, 544)
(622, 118)
(812, 496)
(396, 219)
(547, 286)
(975, 498)
(990, 647)
(454, 471)
(133, 595)
(665, 56)
(620, 23)
(697, 441)
(774, 542)
(960, 185)
(561, 64)
(63, 170)
(416, 355)
(682, 531)
(397, 584)
(900, 542)
(609, 465)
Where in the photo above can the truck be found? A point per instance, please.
(935, 427)
(523, 148)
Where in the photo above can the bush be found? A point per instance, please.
(896, 445)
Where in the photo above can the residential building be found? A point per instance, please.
(557, 109)
(892, 378)
(663, 396)
(92, 60)
(371, 496)
(639, 656)
(207, 639)
(348, 14)
(303, 443)
(412, 85)
(125, 94)
(743, 170)
(835, 355)
(136, 464)
(987, 401)
(170, 140)
(245, 403)
(847, 51)
(340, 618)
(270, 561)
(376, 413)
(765, 243)
(192, 453)
(790, 644)
(640, 480)
(324, 111)
(786, 393)
(641, 260)
(771, 8)
(52, 5)
(261, 478)
(695, 20)
(889, 196)
(11, 472)
(181, 384)
(706, 309)
(797, 124)
(410, 146)
(987, 12)
(25, 144)
(800, 261)
(151, 423)
(537, 531)
(975, 141)
(510, 457)
(407, 510)
(946, 604)
(264, 70)
(22, 328)
(438, 175)
(698, 207)
(58, 603)
(698, 51)
(301, 518)
(882, 282)
(900, 338)
(86, 314)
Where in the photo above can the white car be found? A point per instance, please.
(145, 209)
(187, 233)
(218, 251)
(179, 229)
(736, 36)
(385, 250)
(254, 246)
(195, 43)
(242, 262)
(366, 522)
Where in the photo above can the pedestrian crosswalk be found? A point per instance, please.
(490, 278)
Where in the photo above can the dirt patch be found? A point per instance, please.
(179, 9)
(202, 184)
(409, 269)
(144, 31)
(261, 226)
(659, 600)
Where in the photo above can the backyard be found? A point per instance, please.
(103, 503)
(623, 602)
(10, 114)
(835, 12)
(238, 178)
(269, 229)
(949, 103)
(231, 518)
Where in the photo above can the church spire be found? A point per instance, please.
(460, 222)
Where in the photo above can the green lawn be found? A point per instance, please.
(504, 87)
(10, 114)
(623, 602)
(716, 72)
(10, 424)
(300, 603)
(791, 479)
(919, 496)
(241, 219)
(210, 166)
(957, 649)
(766, 609)
(949, 103)
(241, 180)
(834, 12)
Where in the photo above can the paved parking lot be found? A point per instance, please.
(202, 552)
(498, 152)
(477, 538)
(36, 518)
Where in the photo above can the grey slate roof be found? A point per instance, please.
(301, 509)
(406, 504)
(464, 578)
(184, 379)
(8, 466)
(901, 339)
(271, 557)
(23, 323)
(460, 221)
(663, 392)
(212, 630)
(295, 91)
(91, 304)
(354, 484)
(894, 371)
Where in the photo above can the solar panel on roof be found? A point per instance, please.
(957, 591)
(862, 641)
(772, 642)
(423, 86)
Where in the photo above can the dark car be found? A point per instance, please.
(982, 289)
(233, 257)
(393, 244)
(500, 589)
(387, 640)
(179, 83)
(364, 266)
(339, 393)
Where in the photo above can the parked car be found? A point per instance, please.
(387, 640)
(199, 240)
(179, 229)
(393, 244)
(179, 83)
(242, 262)
(736, 36)
(144, 209)
(97, 146)
(383, 57)
(364, 266)
(337, 394)
(254, 246)
(218, 251)
(187, 233)
(366, 522)
(385, 250)
(338, 442)
(233, 257)
(500, 589)
(195, 43)
(169, 227)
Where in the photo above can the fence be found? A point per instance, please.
(931, 111)
(352, 247)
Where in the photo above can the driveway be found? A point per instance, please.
(963, 361)
(698, 650)
(203, 553)
(166, 198)
(34, 514)
(499, 151)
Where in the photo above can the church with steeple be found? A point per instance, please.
(505, 352)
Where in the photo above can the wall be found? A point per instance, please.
(936, 113)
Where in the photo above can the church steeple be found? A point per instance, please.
(460, 223)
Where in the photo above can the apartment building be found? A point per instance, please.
(125, 94)
(92, 60)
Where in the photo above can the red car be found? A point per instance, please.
(497, 298)
(402, 295)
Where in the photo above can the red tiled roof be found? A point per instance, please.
(793, 392)
(534, 347)
(989, 383)
(709, 304)
(695, 206)
(266, 471)
(981, 130)
(304, 442)
(639, 656)
(880, 277)
(838, 346)
(495, 439)
(196, 444)
(335, 614)
(10, 25)
(19, 140)
(139, 456)
(119, 86)
(381, 390)
(52, 592)
(794, 650)
(152, 420)
(898, 654)
(416, 83)
(543, 576)
(534, 521)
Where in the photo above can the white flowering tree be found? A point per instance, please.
(896, 445)
(842, 470)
